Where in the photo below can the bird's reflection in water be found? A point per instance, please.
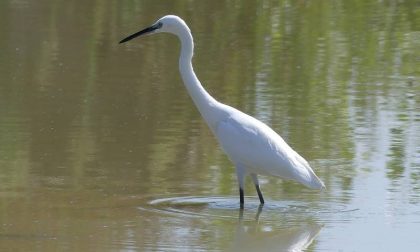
(257, 215)
(256, 236)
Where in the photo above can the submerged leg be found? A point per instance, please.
(240, 173)
(257, 186)
(259, 211)
(241, 214)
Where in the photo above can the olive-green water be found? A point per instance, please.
(102, 149)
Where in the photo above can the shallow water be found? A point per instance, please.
(102, 149)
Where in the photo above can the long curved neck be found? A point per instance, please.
(205, 103)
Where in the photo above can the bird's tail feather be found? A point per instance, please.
(308, 177)
(315, 182)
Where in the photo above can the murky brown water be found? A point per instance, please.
(102, 149)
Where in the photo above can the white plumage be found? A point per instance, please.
(251, 145)
(258, 149)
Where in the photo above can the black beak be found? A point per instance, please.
(142, 32)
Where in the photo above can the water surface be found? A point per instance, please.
(102, 149)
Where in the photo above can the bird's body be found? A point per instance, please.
(258, 149)
(251, 145)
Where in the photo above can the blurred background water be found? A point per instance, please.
(102, 149)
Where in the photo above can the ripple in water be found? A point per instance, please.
(228, 207)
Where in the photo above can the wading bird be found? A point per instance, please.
(252, 146)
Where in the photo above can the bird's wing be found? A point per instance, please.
(254, 145)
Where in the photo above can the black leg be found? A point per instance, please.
(240, 172)
(257, 186)
(241, 197)
(260, 194)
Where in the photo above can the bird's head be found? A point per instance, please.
(169, 24)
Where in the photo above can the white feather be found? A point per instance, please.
(252, 144)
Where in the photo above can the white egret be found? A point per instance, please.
(252, 146)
